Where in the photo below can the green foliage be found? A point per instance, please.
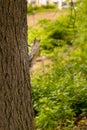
(81, 22)
(34, 9)
(61, 95)
(52, 34)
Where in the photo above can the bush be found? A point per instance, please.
(61, 95)
(34, 9)
(52, 34)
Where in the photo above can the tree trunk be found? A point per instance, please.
(16, 111)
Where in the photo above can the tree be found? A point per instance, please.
(16, 111)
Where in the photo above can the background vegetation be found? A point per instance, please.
(34, 9)
(60, 95)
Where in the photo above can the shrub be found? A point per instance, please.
(52, 34)
(61, 95)
(34, 9)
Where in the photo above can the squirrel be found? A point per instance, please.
(34, 51)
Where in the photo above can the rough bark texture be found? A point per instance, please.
(15, 98)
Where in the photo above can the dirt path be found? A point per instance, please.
(52, 15)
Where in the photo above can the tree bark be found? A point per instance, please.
(16, 111)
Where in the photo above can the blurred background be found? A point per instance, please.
(59, 74)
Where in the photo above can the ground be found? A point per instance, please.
(52, 15)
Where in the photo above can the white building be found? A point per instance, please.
(60, 3)
(42, 2)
